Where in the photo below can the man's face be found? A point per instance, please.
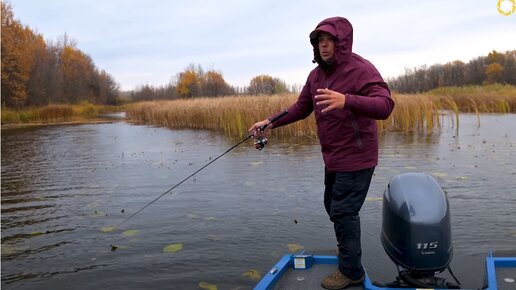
(326, 46)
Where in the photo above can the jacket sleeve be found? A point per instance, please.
(374, 101)
(301, 109)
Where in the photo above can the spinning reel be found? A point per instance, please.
(260, 142)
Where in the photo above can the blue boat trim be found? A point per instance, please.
(497, 262)
(268, 281)
(274, 275)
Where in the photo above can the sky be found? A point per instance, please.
(150, 42)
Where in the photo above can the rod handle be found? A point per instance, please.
(281, 115)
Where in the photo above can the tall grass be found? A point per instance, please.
(54, 113)
(233, 115)
(412, 113)
(496, 98)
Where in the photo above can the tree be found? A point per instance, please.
(37, 73)
(17, 60)
(106, 89)
(78, 73)
(495, 67)
(494, 73)
(266, 85)
(188, 84)
(214, 85)
(262, 84)
(41, 76)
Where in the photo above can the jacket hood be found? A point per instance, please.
(342, 30)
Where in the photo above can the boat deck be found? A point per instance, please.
(308, 279)
(500, 273)
(505, 278)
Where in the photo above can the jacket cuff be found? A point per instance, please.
(351, 101)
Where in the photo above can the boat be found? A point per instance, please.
(416, 235)
(303, 271)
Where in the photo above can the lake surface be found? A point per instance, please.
(62, 184)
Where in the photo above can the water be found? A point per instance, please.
(62, 184)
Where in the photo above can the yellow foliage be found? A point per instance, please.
(187, 83)
(18, 46)
(494, 73)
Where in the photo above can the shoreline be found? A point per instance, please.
(78, 122)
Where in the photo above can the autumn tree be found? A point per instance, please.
(188, 84)
(41, 76)
(214, 85)
(266, 85)
(147, 92)
(195, 82)
(496, 67)
(17, 58)
(105, 89)
(38, 73)
(494, 73)
(78, 72)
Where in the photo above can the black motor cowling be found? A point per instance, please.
(416, 231)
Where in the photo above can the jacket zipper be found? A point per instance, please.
(357, 131)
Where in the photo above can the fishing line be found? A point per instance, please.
(259, 144)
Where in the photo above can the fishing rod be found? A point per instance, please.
(259, 144)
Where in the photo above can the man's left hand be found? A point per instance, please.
(333, 99)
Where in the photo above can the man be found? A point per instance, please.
(348, 95)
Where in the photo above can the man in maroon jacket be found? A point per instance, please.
(348, 95)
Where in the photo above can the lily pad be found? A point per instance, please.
(115, 247)
(253, 275)
(250, 183)
(8, 249)
(192, 215)
(130, 233)
(99, 213)
(438, 174)
(172, 248)
(213, 237)
(35, 234)
(207, 286)
(256, 163)
(107, 229)
(374, 198)
(292, 248)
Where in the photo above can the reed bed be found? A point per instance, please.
(235, 114)
(232, 115)
(54, 113)
(496, 98)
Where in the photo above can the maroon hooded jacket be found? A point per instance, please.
(348, 136)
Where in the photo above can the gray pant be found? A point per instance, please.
(344, 196)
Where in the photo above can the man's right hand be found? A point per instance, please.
(256, 131)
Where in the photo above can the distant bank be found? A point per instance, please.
(232, 115)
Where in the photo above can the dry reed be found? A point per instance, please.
(496, 98)
(233, 115)
(54, 113)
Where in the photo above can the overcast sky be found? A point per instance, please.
(151, 41)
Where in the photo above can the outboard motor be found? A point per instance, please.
(416, 231)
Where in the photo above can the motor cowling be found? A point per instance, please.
(416, 231)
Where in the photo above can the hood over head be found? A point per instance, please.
(342, 30)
